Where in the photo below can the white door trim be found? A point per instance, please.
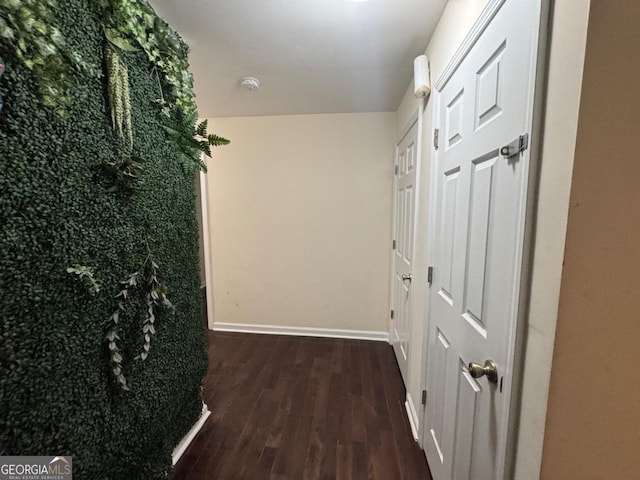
(392, 234)
(208, 274)
(431, 228)
(535, 101)
(415, 117)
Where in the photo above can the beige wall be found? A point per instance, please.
(593, 422)
(566, 44)
(300, 218)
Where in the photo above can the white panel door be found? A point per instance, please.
(479, 214)
(404, 207)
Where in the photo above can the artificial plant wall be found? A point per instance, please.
(96, 198)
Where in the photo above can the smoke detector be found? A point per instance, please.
(250, 83)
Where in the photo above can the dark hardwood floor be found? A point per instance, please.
(302, 408)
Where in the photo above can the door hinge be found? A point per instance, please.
(424, 397)
(514, 148)
(392, 314)
(395, 170)
(393, 245)
(430, 275)
(436, 133)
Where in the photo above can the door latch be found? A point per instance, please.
(514, 148)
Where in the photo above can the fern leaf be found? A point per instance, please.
(191, 120)
(217, 141)
(173, 132)
(202, 128)
(201, 165)
(187, 163)
(191, 139)
(205, 148)
(192, 144)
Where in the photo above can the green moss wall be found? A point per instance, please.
(57, 393)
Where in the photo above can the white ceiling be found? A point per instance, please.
(311, 56)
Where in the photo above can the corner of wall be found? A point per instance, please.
(566, 48)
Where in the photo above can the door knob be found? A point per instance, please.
(407, 277)
(490, 369)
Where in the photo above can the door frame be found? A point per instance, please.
(415, 117)
(206, 245)
(535, 100)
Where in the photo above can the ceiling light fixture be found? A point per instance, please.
(250, 83)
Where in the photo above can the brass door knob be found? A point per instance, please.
(490, 369)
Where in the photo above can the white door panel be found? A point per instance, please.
(405, 192)
(479, 211)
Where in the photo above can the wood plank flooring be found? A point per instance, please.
(301, 408)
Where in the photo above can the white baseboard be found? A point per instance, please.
(188, 438)
(302, 331)
(413, 416)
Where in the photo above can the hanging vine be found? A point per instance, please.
(112, 335)
(155, 295)
(118, 84)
